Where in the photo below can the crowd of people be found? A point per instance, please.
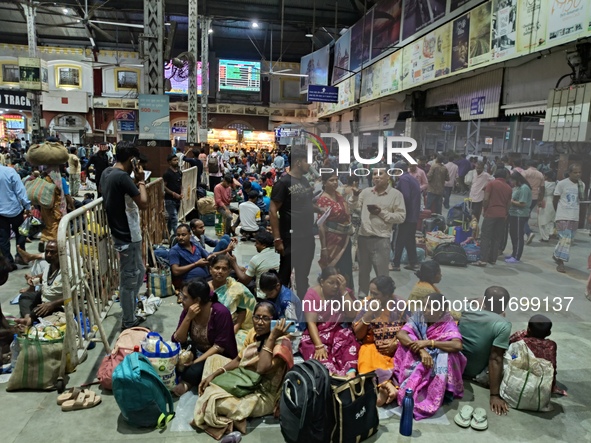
(241, 315)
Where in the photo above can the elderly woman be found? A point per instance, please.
(208, 325)
(263, 361)
(428, 359)
(325, 339)
(233, 295)
(376, 329)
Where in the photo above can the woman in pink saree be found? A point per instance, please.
(428, 359)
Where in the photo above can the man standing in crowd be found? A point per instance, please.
(381, 207)
(485, 336)
(123, 199)
(496, 204)
(215, 167)
(479, 182)
(405, 237)
(464, 166)
(420, 176)
(437, 177)
(14, 206)
(222, 195)
(173, 191)
(292, 220)
(99, 162)
(74, 172)
(195, 161)
(567, 195)
(536, 180)
(452, 169)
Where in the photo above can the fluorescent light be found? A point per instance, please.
(255, 25)
(65, 10)
(309, 35)
(92, 42)
(210, 31)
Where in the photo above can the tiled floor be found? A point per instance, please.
(33, 417)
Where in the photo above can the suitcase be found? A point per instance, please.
(434, 223)
(426, 213)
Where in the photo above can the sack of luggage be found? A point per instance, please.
(206, 205)
(213, 164)
(472, 252)
(434, 223)
(316, 408)
(434, 239)
(306, 404)
(451, 254)
(40, 192)
(527, 380)
(141, 396)
(47, 153)
(127, 340)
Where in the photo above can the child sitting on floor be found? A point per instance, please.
(538, 328)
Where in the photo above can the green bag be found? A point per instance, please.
(239, 382)
(38, 364)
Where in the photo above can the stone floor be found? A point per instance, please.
(30, 417)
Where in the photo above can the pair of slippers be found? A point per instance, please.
(470, 417)
(75, 399)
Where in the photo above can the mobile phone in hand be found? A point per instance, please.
(291, 329)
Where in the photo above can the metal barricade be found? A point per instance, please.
(189, 191)
(90, 269)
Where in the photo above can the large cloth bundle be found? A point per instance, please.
(40, 192)
(206, 205)
(47, 153)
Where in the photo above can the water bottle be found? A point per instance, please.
(15, 349)
(408, 405)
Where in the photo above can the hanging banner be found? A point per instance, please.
(154, 117)
(456, 4)
(361, 42)
(566, 18)
(370, 84)
(418, 15)
(460, 41)
(532, 17)
(413, 64)
(342, 55)
(504, 35)
(480, 27)
(315, 66)
(387, 22)
(442, 54)
(391, 73)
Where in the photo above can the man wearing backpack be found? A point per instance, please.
(215, 167)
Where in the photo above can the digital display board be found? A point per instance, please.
(240, 76)
(178, 86)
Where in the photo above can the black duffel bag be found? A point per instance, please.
(451, 254)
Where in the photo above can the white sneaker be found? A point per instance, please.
(530, 237)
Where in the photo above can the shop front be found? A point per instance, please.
(12, 126)
(14, 122)
(224, 138)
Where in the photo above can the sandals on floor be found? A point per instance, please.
(479, 420)
(86, 399)
(464, 417)
(70, 394)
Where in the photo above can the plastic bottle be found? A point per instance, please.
(408, 405)
(15, 349)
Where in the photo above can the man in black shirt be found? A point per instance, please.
(195, 162)
(173, 189)
(292, 220)
(123, 199)
(99, 162)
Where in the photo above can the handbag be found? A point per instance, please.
(355, 408)
(161, 283)
(38, 363)
(239, 382)
(40, 192)
(48, 153)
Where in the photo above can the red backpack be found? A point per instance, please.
(124, 345)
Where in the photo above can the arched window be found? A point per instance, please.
(239, 125)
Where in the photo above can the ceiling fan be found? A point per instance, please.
(282, 72)
(118, 63)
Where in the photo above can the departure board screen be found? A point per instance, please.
(240, 76)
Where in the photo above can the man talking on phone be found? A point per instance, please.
(382, 207)
(123, 198)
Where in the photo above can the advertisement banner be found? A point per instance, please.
(315, 66)
(370, 83)
(413, 64)
(387, 21)
(342, 55)
(361, 42)
(460, 41)
(347, 93)
(29, 73)
(125, 115)
(154, 117)
(504, 25)
(418, 14)
(480, 30)
(456, 4)
(10, 99)
(391, 73)
(566, 18)
(443, 50)
(532, 16)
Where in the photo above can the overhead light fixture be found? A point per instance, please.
(77, 21)
(167, 24)
(255, 25)
(65, 10)
(92, 42)
(210, 31)
(309, 35)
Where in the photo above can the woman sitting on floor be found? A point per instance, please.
(428, 359)
(265, 359)
(429, 274)
(325, 339)
(208, 324)
(376, 329)
(233, 295)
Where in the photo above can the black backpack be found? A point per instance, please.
(458, 215)
(307, 414)
(450, 254)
